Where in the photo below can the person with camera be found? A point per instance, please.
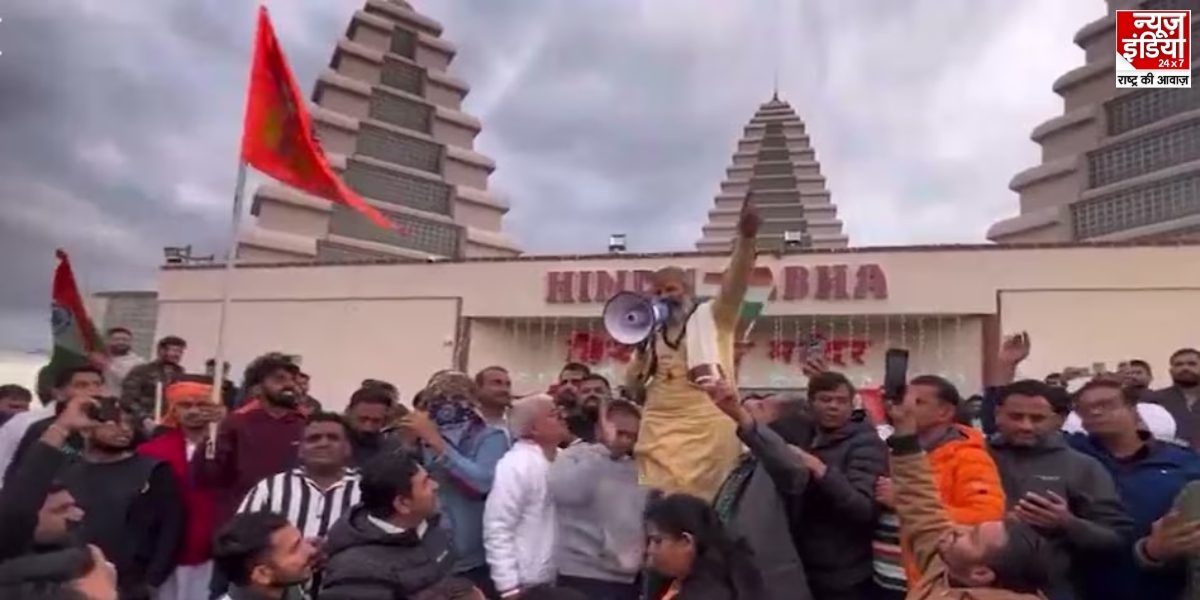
(36, 513)
(1002, 559)
(132, 509)
(23, 430)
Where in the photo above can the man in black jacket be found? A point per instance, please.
(836, 522)
(36, 512)
(131, 503)
(391, 545)
(1066, 495)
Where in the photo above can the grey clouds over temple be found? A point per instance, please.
(119, 121)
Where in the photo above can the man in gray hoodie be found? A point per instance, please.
(599, 505)
(1067, 496)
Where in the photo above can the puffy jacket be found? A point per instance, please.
(967, 481)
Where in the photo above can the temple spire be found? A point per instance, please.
(776, 160)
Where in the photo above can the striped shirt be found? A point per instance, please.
(312, 510)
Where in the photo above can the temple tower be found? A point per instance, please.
(1118, 164)
(390, 120)
(775, 159)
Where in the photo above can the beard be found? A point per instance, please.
(1187, 381)
(582, 421)
(286, 398)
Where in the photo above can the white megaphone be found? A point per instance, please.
(631, 318)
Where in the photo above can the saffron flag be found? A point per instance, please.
(76, 340)
(278, 137)
(758, 291)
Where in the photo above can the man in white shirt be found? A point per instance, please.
(121, 359)
(518, 519)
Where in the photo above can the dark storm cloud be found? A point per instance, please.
(119, 121)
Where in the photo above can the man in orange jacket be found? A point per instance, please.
(966, 476)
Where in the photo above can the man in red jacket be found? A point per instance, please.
(189, 411)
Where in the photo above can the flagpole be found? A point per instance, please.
(239, 199)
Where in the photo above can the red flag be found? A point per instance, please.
(278, 134)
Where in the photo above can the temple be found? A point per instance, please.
(775, 159)
(1118, 164)
(390, 119)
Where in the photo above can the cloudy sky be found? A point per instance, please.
(119, 120)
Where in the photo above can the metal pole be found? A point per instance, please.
(226, 302)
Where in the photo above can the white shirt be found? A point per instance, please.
(118, 367)
(14, 431)
(519, 523)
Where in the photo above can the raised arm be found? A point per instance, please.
(727, 306)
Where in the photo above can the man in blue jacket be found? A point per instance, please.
(1149, 474)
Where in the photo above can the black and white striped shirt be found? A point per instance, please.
(295, 496)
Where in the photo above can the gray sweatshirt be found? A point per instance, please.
(599, 506)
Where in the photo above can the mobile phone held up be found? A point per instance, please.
(895, 374)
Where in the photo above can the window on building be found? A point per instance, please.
(424, 235)
(404, 43)
(1141, 108)
(1145, 154)
(404, 76)
(401, 112)
(404, 189)
(1150, 204)
(397, 148)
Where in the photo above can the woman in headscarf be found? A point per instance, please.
(189, 410)
(461, 451)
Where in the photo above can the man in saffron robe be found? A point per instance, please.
(686, 445)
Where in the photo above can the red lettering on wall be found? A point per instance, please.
(871, 283)
(594, 348)
(560, 287)
(740, 349)
(831, 283)
(585, 286)
(608, 284)
(781, 350)
(795, 283)
(825, 283)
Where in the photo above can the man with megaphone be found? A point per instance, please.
(685, 443)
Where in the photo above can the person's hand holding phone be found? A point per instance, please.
(903, 414)
(76, 414)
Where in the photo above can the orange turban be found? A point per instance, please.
(182, 390)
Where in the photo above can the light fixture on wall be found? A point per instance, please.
(616, 243)
(795, 239)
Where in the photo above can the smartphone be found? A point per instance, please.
(895, 374)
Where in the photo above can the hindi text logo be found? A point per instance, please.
(1154, 49)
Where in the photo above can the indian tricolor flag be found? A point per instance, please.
(76, 340)
(758, 292)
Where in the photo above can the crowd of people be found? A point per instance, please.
(1073, 489)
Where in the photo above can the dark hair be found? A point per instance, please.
(1105, 383)
(47, 568)
(451, 588)
(112, 330)
(64, 377)
(598, 377)
(1183, 351)
(719, 555)
(264, 366)
(244, 543)
(373, 394)
(479, 375)
(942, 388)
(1022, 387)
(1141, 364)
(576, 367)
(171, 340)
(1050, 376)
(1060, 400)
(12, 390)
(616, 407)
(378, 383)
(385, 477)
(302, 374)
(827, 381)
(1021, 564)
(323, 416)
(212, 362)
